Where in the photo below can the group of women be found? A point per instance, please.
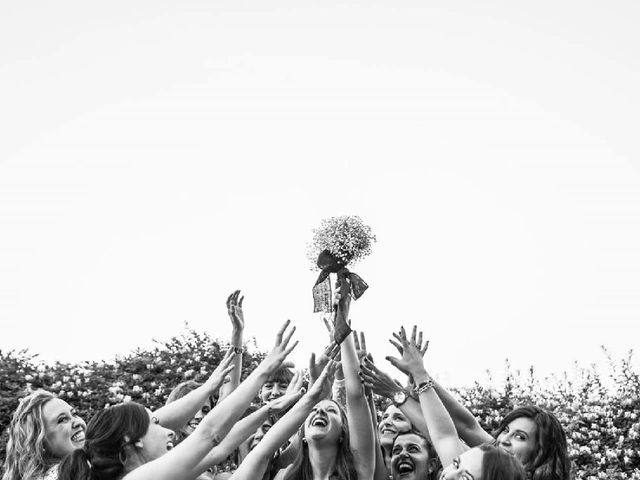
(317, 433)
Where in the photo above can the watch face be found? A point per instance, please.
(399, 397)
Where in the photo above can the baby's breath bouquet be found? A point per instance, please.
(338, 242)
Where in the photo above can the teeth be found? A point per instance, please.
(78, 436)
(319, 421)
(169, 445)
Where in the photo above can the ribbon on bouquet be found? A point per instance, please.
(322, 301)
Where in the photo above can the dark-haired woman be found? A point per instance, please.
(333, 442)
(127, 442)
(485, 462)
(533, 435)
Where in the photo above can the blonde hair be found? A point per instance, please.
(26, 457)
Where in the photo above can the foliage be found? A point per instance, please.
(144, 376)
(600, 412)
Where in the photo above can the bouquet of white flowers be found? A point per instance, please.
(338, 242)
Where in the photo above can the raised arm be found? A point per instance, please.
(248, 425)
(383, 385)
(466, 423)
(175, 415)
(184, 461)
(255, 464)
(441, 428)
(361, 435)
(236, 315)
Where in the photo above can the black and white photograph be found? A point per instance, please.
(319, 240)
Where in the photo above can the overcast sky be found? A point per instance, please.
(155, 156)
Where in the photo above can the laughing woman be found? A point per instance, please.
(127, 442)
(333, 443)
(43, 429)
(484, 462)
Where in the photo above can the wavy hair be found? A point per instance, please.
(345, 464)
(27, 457)
(551, 460)
(103, 456)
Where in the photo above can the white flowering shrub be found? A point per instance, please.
(599, 411)
(144, 376)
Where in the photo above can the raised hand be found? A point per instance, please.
(411, 361)
(281, 349)
(294, 392)
(321, 388)
(361, 346)
(316, 366)
(377, 380)
(221, 371)
(295, 384)
(234, 308)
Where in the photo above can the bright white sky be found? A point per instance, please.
(155, 156)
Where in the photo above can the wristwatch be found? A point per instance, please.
(399, 397)
(238, 350)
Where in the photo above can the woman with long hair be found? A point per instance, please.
(258, 461)
(127, 442)
(43, 429)
(333, 442)
(533, 435)
(480, 463)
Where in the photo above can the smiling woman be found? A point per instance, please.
(43, 430)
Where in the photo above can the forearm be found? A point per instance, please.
(234, 376)
(238, 434)
(358, 413)
(413, 411)
(441, 428)
(220, 420)
(466, 423)
(256, 462)
(175, 415)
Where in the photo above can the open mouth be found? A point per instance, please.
(387, 431)
(405, 467)
(169, 445)
(319, 422)
(78, 436)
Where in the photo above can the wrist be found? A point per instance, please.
(421, 377)
(236, 337)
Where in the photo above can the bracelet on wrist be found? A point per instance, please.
(238, 350)
(424, 386)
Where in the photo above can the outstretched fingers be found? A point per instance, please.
(281, 332)
(285, 340)
(423, 350)
(363, 343)
(394, 361)
(290, 349)
(397, 345)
